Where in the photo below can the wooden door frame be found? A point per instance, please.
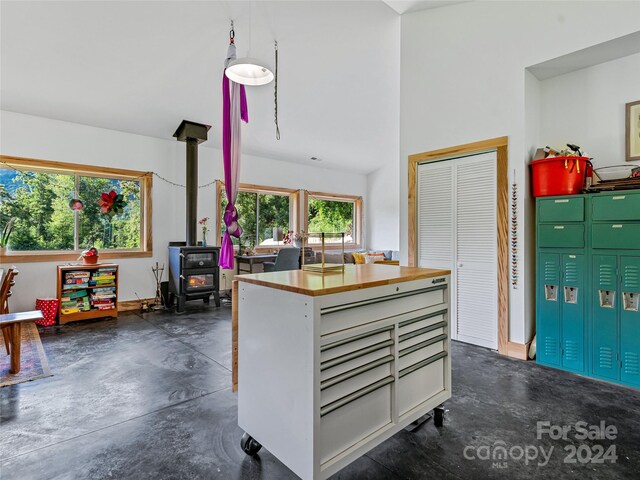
(500, 146)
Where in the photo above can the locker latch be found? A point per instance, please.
(570, 294)
(630, 301)
(607, 298)
(551, 293)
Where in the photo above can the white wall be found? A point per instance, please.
(42, 138)
(463, 80)
(382, 222)
(586, 107)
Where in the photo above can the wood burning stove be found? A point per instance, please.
(193, 270)
(194, 274)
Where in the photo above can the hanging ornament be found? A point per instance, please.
(76, 204)
(111, 203)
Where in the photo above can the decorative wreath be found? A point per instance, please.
(112, 203)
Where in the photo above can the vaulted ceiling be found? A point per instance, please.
(142, 67)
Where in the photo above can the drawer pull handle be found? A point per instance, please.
(558, 227)
(619, 197)
(423, 317)
(420, 331)
(355, 354)
(565, 200)
(339, 343)
(341, 402)
(423, 363)
(355, 372)
(348, 306)
(616, 226)
(421, 345)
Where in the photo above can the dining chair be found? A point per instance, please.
(287, 259)
(5, 293)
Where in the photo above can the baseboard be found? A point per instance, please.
(518, 350)
(129, 305)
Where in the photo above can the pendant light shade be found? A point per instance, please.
(248, 71)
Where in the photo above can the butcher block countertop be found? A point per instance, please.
(355, 277)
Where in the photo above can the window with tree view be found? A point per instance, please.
(332, 216)
(39, 201)
(259, 214)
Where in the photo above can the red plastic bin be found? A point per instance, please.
(558, 175)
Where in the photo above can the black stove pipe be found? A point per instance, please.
(193, 134)
(192, 191)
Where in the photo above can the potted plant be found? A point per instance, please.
(89, 256)
(293, 238)
(6, 233)
(203, 224)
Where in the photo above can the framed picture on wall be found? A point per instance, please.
(632, 136)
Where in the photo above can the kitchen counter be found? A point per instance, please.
(355, 277)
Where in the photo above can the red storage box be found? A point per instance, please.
(49, 309)
(558, 175)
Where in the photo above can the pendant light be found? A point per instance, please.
(248, 71)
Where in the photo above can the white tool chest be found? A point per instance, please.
(323, 379)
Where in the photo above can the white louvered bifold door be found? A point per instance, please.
(435, 215)
(476, 250)
(457, 230)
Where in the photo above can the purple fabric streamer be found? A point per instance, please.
(231, 162)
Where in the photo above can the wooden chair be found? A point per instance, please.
(5, 293)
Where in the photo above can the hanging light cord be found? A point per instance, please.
(275, 94)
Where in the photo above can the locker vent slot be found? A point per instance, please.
(570, 350)
(606, 275)
(631, 278)
(631, 363)
(571, 276)
(605, 358)
(550, 272)
(550, 347)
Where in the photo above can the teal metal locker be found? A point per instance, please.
(629, 320)
(604, 329)
(588, 249)
(548, 314)
(573, 312)
(561, 297)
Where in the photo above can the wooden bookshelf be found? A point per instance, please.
(65, 288)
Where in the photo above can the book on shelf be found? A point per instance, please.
(74, 293)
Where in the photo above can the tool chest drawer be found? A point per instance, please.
(561, 210)
(624, 236)
(347, 383)
(337, 352)
(621, 206)
(358, 358)
(416, 353)
(349, 420)
(349, 315)
(420, 382)
(422, 321)
(561, 235)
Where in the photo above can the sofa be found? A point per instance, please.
(334, 257)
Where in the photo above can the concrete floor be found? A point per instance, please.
(149, 397)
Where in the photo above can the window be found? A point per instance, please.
(334, 214)
(261, 210)
(38, 193)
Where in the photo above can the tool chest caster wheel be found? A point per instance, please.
(249, 445)
(438, 416)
